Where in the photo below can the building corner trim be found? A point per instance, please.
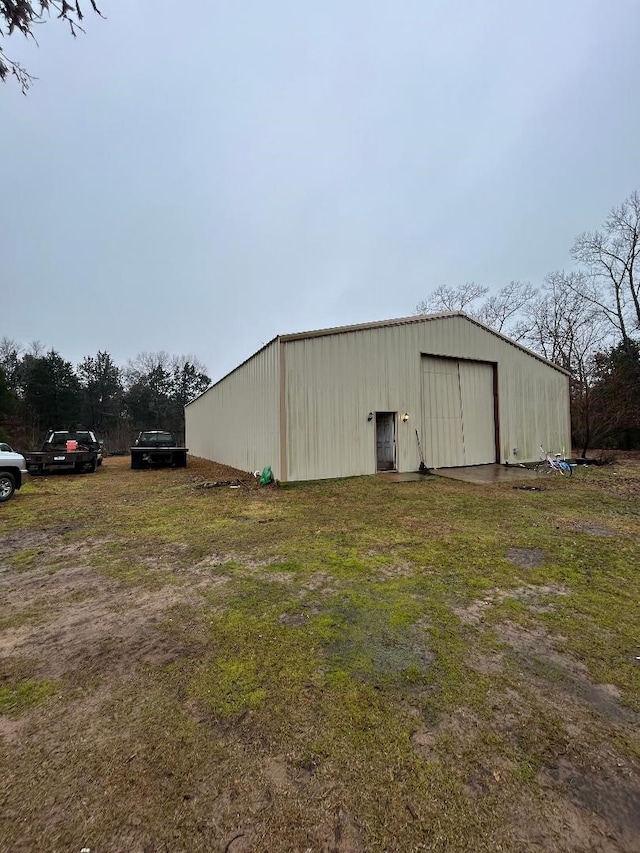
(283, 414)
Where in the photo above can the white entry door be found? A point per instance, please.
(385, 441)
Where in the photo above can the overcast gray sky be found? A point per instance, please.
(202, 184)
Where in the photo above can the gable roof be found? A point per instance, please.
(415, 318)
(379, 324)
(375, 324)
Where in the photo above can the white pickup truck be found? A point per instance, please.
(13, 470)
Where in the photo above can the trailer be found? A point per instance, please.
(74, 451)
(157, 449)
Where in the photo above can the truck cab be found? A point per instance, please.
(85, 439)
(155, 438)
(157, 448)
(13, 470)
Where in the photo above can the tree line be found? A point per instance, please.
(39, 391)
(587, 321)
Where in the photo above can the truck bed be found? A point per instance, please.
(41, 461)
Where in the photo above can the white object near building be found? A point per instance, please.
(346, 401)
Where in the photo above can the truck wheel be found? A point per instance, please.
(7, 486)
(92, 466)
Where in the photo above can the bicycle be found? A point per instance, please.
(549, 464)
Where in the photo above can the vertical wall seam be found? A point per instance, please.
(464, 444)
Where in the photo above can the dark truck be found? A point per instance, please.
(157, 448)
(66, 450)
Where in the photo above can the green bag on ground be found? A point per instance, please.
(266, 477)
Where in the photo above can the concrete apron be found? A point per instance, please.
(487, 473)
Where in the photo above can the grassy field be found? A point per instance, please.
(355, 665)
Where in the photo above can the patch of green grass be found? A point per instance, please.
(368, 635)
(25, 695)
(228, 686)
(285, 566)
(16, 619)
(25, 560)
(253, 659)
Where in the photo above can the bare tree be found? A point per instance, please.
(612, 257)
(147, 363)
(503, 310)
(36, 349)
(566, 327)
(179, 362)
(159, 385)
(9, 348)
(22, 16)
(445, 298)
(563, 323)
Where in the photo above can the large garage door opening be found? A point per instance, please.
(458, 412)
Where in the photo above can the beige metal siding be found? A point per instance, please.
(237, 422)
(333, 381)
(535, 411)
(332, 384)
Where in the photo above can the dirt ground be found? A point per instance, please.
(123, 754)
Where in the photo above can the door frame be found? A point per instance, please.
(394, 421)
